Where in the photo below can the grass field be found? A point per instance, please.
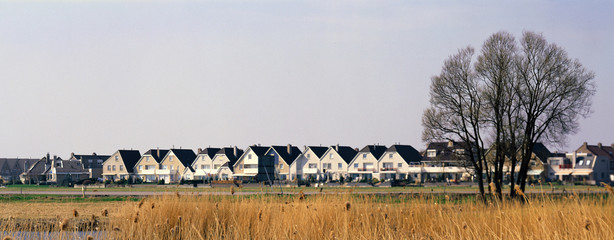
(319, 216)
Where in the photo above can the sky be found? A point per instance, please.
(98, 76)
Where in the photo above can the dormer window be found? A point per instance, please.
(431, 153)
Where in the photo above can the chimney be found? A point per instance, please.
(337, 147)
(289, 149)
(199, 150)
(585, 144)
(356, 149)
(599, 145)
(450, 143)
(94, 153)
(72, 155)
(49, 157)
(158, 151)
(235, 151)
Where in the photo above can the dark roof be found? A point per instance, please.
(85, 159)
(15, 166)
(185, 156)
(157, 154)
(541, 152)
(601, 151)
(258, 150)
(407, 152)
(346, 153)
(69, 166)
(445, 152)
(318, 150)
(376, 150)
(130, 157)
(209, 151)
(232, 158)
(38, 168)
(286, 156)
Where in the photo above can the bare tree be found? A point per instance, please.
(554, 91)
(517, 96)
(455, 111)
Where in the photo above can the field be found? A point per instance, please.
(344, 215)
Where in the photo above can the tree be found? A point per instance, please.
(555, 92)
(455, 111)
(515, 96)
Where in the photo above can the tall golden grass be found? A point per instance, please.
(353, 216)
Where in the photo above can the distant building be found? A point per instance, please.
(92, 163)
(590, 164)
(11, 168)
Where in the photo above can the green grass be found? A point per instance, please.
(33, 198)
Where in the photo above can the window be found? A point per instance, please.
(170, 158)
(249, 156)
(113, 167)
(355, 165)
(207, 166)
(116, 158)
(400, 165)
(313, 165)
(533, 163)
(281, 166)
(431, 153)
(308, 155)
(241, 166)
(216, 166)
(172, 167)
(588, 162)
(611, 165)
(121, 167)
(390, 155)
(580, 162)
(460, 151)
(331, 156)
(327, 166)
(554, 162)
(164, 167)
(364, 156)
(202, 166)
(339, 165)
(108, 167)
(146, 159)
(89, 160)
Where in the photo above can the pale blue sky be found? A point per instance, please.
(107, 75)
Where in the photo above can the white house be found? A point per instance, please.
(400, 162)
(335, 162)
(307, 164)
(365, 163)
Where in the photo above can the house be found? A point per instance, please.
(335, 162)
(120, 165)
(537, 164)
(558, 164)
(365, 163)
(283, 157)
(65, 172)
(147, 167)
(400, 162)
(35, 174)
(92, 163)
(591, 164)
(223, 163)
(203, 165)
(174, 164)
(307, 164)
(446, 161)
(255, 165)
(12, 168)
(188, 173)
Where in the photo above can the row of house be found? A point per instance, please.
(441, 161)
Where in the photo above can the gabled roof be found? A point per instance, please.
(599, 150)
(376, 150)
(209, 151)
(130, 157)
(185, 156)
(286, 156)
(541, 152)
(230, 154)
(347, 153)
(258, 150)
(407, 152)
(38, 168)
(157, 154)
(318, 150)
(15, 166)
